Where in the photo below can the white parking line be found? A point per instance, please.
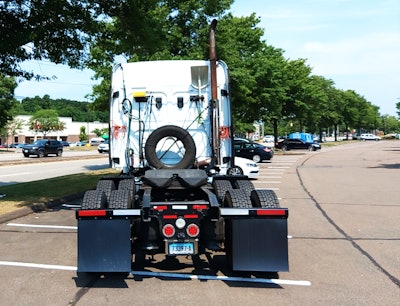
(43, 226)
(167, 274)
(269, 188)
(224, 278)
(33, 265)
(278, 167)
(270, 182)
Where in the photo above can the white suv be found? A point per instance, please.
(103, 147)
(369, 137)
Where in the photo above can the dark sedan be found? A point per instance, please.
(252, 150)
(291, 144)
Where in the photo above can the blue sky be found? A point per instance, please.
(355, 43)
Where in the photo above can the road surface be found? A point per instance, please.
(344, 244)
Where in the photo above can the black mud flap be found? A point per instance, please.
(104, 245)
(260, 245)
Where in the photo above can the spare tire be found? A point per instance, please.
(176, 134)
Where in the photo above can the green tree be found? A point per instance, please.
(55, 30)
(7, 101)
(389, 124)
(82, 133)
(100, 132)
(45, 121)
(12, 127)
(160, 30)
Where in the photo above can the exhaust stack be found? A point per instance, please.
(214, 93)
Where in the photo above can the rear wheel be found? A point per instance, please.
(220, 188)
(107, 186)
(236, 198)
(128, 184)
(94, 199)
(59, 153)
(284, 148)
(264, 199)
(120, 199)
(245, 185)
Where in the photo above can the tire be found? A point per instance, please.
(256, 158)
(235, 170)
(107, 186)
(245, 185)
(100, 151)
(128, 184)
(264, 198)
(284, 148)
(311, 148)
(220, 188)
(41, 154)
(120, 199)
(178, 134)
(236, 198)
(94, 199)
(59, 152)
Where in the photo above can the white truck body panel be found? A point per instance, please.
(149, 95)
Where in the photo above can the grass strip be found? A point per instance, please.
(42, 191)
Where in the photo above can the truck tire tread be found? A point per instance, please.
(94, 199)
(264, 198)
(236, 198)
(120, 199)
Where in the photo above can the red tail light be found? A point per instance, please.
(168, 230)
(92, 213)
(199, 207)
(272, 212)
(193, 230)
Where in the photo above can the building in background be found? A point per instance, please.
(70, 133)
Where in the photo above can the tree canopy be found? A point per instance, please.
(7, 101)
(45, 121)
(97, 33)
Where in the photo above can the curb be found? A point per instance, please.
(22, 212)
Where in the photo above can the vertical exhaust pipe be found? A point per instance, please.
(213, 60)
(214, 93)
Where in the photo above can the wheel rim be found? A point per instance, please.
(256, 158)
(235, 171)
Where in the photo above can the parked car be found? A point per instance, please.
(65, 143)
(42, 148)
(15, 145)
(244, 166)
(252, 150)
(103, 147)
(269, 138)
(365, 137)
(291, 144)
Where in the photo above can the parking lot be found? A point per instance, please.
(344, 245)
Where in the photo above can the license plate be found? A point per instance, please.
(181, 248)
